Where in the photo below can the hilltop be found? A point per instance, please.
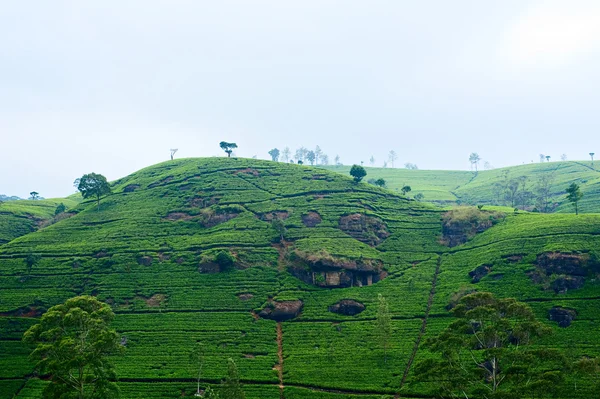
(488, 187)
(280, 266)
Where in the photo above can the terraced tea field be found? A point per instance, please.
(446, 187)
(302, 240)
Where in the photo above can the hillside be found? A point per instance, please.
(21, 217)
(446, 187)
(191, 251)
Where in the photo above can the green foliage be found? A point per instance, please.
(357, 172)
(224, 259)
(60, 209)
(405, 190)
(93, 185)
(228, 147)
(574, 194)
(274, 153)
(231, 387)
(72, 342)
(488, 350)
(380, 182)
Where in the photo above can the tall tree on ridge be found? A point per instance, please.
(392, 156)
(574, 194)
(474, 159)
(274, 153)
(228, 147)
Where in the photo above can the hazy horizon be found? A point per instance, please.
(110, 87)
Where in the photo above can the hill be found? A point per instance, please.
(18, 218)
(492, 187)
(279, 266)
(8, 198)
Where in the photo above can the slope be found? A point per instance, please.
(21, 217)
(311, 251)
(464, 187)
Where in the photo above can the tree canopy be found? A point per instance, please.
(274, 153)
(72, 342)
(93, 185)
(486, 352)
(357, 172)
(228, 147)
(574, 194)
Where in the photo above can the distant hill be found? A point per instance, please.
(8, 198)
(489, 187)
(279, 267)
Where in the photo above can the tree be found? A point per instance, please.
(210, 394)
(274, 153)
(392, 157)
(279, 227)
(311, 157)
(173, 151)
(34, 195)
(384, 325)
(232, 389)
(419, 196)
(563, 157)
(31, 260)
(542, 191)
(380, 182)
(92, 185)
(574, 194)
(592, 156)
(547, 158)
(196, 359)
(474, 159)
(405, 190)
(486, 352)
(488, 166)
(411, 166)
(228, 147)
(337, 160)
(318, 154)
(324, 159)
(285, 154)
(357, 172)
(542, 157)
(60, 209)
(372, 161)
(72, 342)
(301, 154)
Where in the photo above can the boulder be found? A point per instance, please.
(479, 272)
(563, 316)
(348, 307)
(281, 311)
(564, 283)
(560, 263)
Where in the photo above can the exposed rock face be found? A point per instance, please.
(324, 270)
(563, 316)
(145, 260)
(559, 263)
(562, 272)
(460, 225)
(209, 267)
(130, 188)
(348, 307)
(479, 272)
(370, 230)
(311, 219)
(281, 311)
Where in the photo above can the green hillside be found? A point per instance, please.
(158, 251)
(21, 217)
(447, 187)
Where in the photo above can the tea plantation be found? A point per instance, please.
(448, 187)
(250, 258)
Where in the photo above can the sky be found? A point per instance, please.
(110, 86)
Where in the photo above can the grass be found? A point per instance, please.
(145, 249)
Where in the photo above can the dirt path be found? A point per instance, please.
(423, 325)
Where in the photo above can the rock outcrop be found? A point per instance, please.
(347, 307)
(479, 272)
(370, 230)
(282, 311)
(563, 316)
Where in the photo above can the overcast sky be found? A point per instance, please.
(110, 86)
